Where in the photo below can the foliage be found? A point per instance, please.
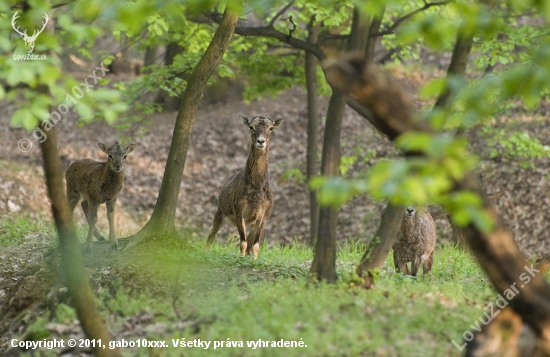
(515, 146)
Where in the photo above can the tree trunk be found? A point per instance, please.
(73, 267)
(151, 55)
(323, 267)
(380, 245)
(457, 67)
(312, 125)
(170, 103)
(162, 220)
(459, 61)
(372, 40)
(378, 249)
(497, 251)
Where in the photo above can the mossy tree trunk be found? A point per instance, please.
(312, 125)
(323, 267)
(73, 267)
(496, 251)
(162, 222)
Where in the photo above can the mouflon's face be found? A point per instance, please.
(409, 212)
(117, 155)
(261, 129)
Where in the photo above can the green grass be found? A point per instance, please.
(22, 228)
(180, 291)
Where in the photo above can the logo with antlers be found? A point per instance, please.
(29, 40)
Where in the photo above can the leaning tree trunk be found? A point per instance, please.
(323, 267)
(73, 267)
(496, 251)
(162, 220)
(379, 246)
(312, 125)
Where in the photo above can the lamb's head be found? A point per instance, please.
(410, 211)
(261, 129)
(117, 155)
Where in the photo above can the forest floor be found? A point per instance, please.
(169, 291)
(174, 292)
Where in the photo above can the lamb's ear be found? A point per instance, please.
(130, 148)
(103, 148)
(277, 122)
(245, 119)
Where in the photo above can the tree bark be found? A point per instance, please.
(73, 267)
(323, 267)
(162, 220)
(496, 251)
(312, 125)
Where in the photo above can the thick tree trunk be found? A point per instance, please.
(496, 252)
(312, 125)
(73, 267)
(323, 267)
(162, 220)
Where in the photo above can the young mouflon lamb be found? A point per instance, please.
(246, 197)
(415, 242)
(96, 183)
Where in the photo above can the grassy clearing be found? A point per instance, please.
(171, 292)
(21, 229)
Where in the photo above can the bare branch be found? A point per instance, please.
(293, 27)
(400, 20)
(278, 14)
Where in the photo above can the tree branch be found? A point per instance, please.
(270, 31)
(398, 22)
(279, 13)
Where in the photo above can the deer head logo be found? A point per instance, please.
(29, 40)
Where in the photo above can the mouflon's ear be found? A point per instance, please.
(277, 122)
(130, 148)
(245, 119)
(103, 147)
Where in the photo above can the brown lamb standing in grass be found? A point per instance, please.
(246, 197)
(96, 183)
(415, 242)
